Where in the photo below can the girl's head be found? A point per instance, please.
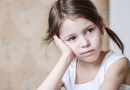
(79, 25)
(81, 35)
(71, 9)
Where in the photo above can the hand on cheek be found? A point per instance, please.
(65, 49)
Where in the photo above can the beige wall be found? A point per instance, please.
(23, 62)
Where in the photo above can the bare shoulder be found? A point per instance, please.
(116, 74)
(126, 68)
(120, 67)
(122, 62)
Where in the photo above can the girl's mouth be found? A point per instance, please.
(87, 53)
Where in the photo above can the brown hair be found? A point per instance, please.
(76, 8)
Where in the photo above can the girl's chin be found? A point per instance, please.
(91, 58)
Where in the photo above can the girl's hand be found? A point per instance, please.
(65, 50)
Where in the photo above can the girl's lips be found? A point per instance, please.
(87, 53)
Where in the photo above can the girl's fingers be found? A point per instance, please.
(62, 46)
(58, 41)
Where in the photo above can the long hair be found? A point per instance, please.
(75, 9)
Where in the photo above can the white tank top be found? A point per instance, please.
(70, 74)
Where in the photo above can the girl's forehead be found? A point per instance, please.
(70, 26)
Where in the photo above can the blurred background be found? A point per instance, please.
(25, 60)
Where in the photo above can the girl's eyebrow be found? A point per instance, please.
(86, 27)
(70, 35)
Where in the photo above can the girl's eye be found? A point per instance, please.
(72, 38)
(89, 30)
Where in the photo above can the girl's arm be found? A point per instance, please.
(116, 75)
(53, 80)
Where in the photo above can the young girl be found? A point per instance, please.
(77, 29)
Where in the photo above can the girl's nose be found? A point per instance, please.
(84, 42)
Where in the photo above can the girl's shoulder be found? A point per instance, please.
(117, 72)
(114, 56)
(116, 68)
(114, 59)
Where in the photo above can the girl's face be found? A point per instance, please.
(83, 37)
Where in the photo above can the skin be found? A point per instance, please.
(82, 35)
(85, 36)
